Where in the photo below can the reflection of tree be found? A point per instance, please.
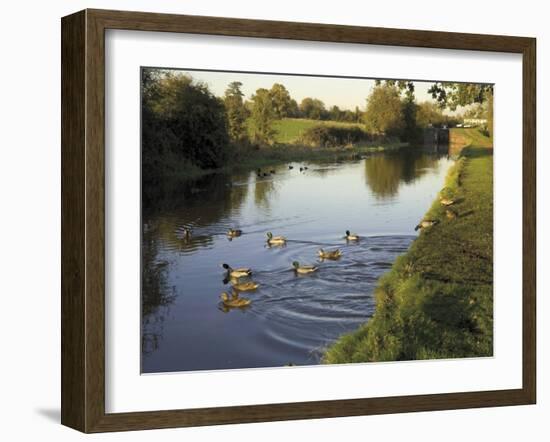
(262, 192)
(384, 173)
(156, 296)
(196, 204)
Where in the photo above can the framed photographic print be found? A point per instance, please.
(270, 220)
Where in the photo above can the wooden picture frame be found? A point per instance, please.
(83, 219)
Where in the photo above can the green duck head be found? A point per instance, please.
(296, 264)
(269, 235)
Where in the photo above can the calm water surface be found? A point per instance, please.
(291, 318)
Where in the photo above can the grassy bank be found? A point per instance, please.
(437, 300)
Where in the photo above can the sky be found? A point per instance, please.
(346, 93)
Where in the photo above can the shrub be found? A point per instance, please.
(333, 136)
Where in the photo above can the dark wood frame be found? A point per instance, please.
(83, 217)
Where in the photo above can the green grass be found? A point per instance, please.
(288, 130)
(437, 300)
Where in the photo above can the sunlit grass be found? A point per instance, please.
(437, 300)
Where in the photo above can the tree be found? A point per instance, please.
(262, 116)
(182, 122)
(236, 111)
(281, 100)
(428, 113)
(312, 108)
(452, 95)
(335, 114)
(293, 109)
(384, 114)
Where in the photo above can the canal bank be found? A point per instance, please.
(437, 299)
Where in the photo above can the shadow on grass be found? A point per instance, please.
(477, 152)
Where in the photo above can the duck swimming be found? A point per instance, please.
(237, 273)
(233, 233)
(330, 254)
(275, 240)
(351, 236)
(245, 286)
(234, 301)
(303, 269)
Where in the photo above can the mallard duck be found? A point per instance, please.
(330, 254)
(237, 273)
(426, 223)
(275, 240)
(451, 214)
(234, 301)
(245, 286)
(351, 236)
(446, 201)
(303, 269)
(233, 233)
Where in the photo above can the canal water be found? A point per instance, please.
(291, 318)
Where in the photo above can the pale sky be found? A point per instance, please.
(346, 93)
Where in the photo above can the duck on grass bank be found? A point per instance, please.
(234, 301)
(426, 224)
(446, 202)
(275, 240)
(237, 273)
(451, 214)
(351, 236)
(234, 233)
(245, 286)
(330, 254)
(302, 270)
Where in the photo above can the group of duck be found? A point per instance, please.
(240, 277)
(262, 174)
(450, 213)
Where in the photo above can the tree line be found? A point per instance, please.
(185, 124)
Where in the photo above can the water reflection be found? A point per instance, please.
(385, 172)
(290, 319)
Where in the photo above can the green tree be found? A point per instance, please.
(183, 122)
(236, 111)
(262, 116)
(312, 108)
(293, 109)
(384, 114)
(452, 95)
(428, 113)
(335, 114)
(281, 100)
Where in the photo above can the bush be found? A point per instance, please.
(325, 135)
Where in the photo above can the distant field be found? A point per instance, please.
(289, 129)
